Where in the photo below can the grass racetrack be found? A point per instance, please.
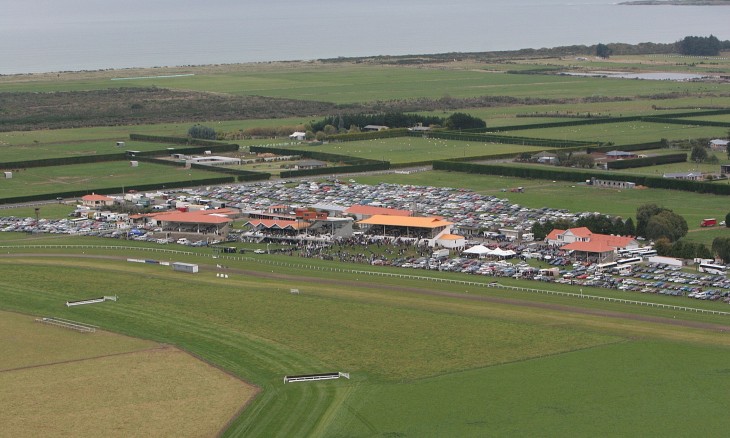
(58, 382)
(425, 358)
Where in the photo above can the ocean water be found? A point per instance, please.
(64, 35)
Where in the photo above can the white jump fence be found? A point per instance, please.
(91, 301)
(315, 377)
(65, 323)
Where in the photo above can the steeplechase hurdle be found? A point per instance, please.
(65, 323)
(91, 301)
(314, 377)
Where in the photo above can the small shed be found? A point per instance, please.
(298, 136)
(8, 175)
(185, 267)
(134, 163)
(120, 144)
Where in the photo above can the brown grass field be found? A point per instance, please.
(57, 382)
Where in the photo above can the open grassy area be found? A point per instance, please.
(39, 151)
(617, 390)
(416, 149)
(63, 383)
(401, 343)
(625, 132)
(38, 180)
(347, 83)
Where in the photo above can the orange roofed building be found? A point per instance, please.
(96, 201)
(596, 247)
(214, 221)
(430, 228)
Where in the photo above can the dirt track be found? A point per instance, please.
(299, 279)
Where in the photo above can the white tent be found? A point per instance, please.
(499, 252)
(479, 250)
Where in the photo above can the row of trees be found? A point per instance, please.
(597, 223)
(689, 45)
(699, 46)
(681, 249)
(345, 123)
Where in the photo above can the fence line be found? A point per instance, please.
(491, 284)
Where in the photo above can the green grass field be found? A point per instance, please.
(416, 149)
(421, 364)
(39, 151)
(113, 174)
(625, 132)
(347, 83)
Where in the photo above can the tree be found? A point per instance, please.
(643, 214)
(699, 46)
(329, 130)
(721, 248)
(703, 252)
(629, 228)
(727, 220)
(663, 247)
(582, 160)
(464, 121)
(699, 154)
(666, 224)
(202, 132)
(603, 51)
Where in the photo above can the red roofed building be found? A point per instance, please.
(595, 246)
(213, 221)
(96, 201)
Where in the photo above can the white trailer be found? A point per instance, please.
(185, 267)
(440, 254)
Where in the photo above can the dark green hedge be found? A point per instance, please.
(504, 139)
(576, 175)
(46, 162)
(562, 123)
(380, 165)
(686, 122)
(627, 147)
(647, 161)
(241, 175)
(177, 140)
(313, 154)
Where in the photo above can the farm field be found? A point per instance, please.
(625, 132)
(417, 149)
(399, 342)
(39, 151)
(107, 136)
(66, 383)
(348, 83)
(113, 174)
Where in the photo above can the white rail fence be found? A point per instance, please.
(476, 284)
(65, 323)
